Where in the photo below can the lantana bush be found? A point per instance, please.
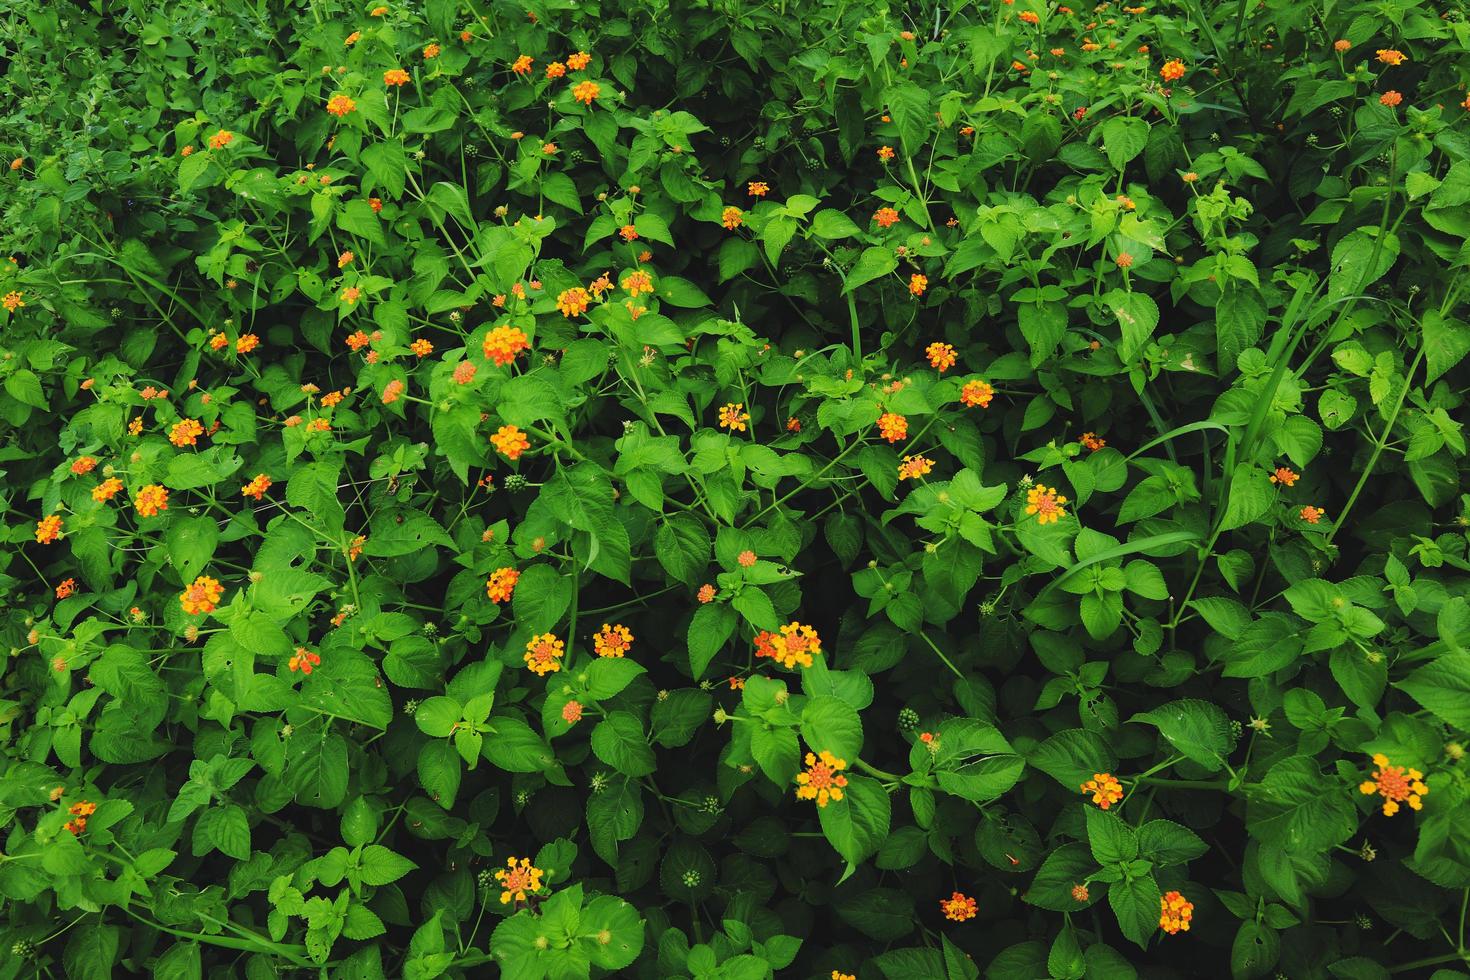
(715, 489)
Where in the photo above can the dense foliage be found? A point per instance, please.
(710, 489)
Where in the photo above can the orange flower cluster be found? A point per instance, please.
(958, 907)
(886, 217)
(823, 780)
(757, 188)
(510, 442)
(422, 347)
(1396, 785)
(637, 282)
(733, 417)
(795, 645)
(1092, 442)
(706, 594)
(1046, 504)
(942, 357)
(1175, 912)
(151, 500)
(303, 660)
(518, 879)
(48, 529)
(107, 489)
(918, 283)
(976, 393)
(503, 343)
(83, 465)
(66, 588)
(1172, 71)
(501, 584)
(1312, 515)
(893, 427)
(586, 92)
(202, 597)
(1391, 57)
(544, 653)
(257, 486)
(612, 641)
(1284, 476)
(731, 218)
(80, 812)
(185, 433)
(340, 105)
(914, 467)
(573, 302)
(1105, 789)
(571, 712)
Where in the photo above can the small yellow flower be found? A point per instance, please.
(1045, 503)
(518, 879)
(1105, 789)
(612, 641)
(733, 416)
(544, 653)
(1396, 785)
(1175, 912)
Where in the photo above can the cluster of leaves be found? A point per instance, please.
(719, 480)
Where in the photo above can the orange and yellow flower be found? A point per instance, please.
(733, 417)
(422, 347)
(706, 594)
(12, 300)
(1092, 442)
(731, 218)
(247, 343)
(1046, 504)
(578, 61)
(518, 879)
(757, 188)
(48, 529)
(914, 467)
(107, 489)
(1105, 789)
(257, 486)
(201, 597)
(893, 427)
(1172, 71)
(941, 356)
(501, 584)
(544, 653)
(340, 105)
(510, 441)
(1391, 98)
(221, 139)
(395, 76)
(823, 780)
(1285, 477)
(503, 343)
(885, 153)
(1175, 912)
(1391, 57)
(65, 588)
(185, 433)
(976, 393)
(1312, 515)
(918, 283)
(431, 51)
(303, 660)
(586, 92)
(637, 282)
(795, 645)
(150, 500)
(1396, 784)
(573, 302)
(885, 217)
(612, 641)
(83, 465)
(958, 907)
(522, 65)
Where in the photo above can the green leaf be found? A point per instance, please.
(874, 262)
(1112, 841)
(1164, 843)
(832, 725)
(381, 866)
(1136, 904)
(1138, 317)
(1124, 138)
(711, 627)
(542, 596)
(514, 746)
(191, 169)
(829, 223)
(908, 106)
(682, 547)
(225, 828)
(346, 685)
(1446, 342)
(388, 163)
(1251, 496)
(1297, 807)
(606, 676)
(857, 824)
(619, 741)
(1073, 757)
(1197, 729)
(90, 953)
(1443, 687)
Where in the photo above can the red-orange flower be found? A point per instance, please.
(1172, 71)
(107, 489)
(65, 588)
(431, 51)
(257, 486)
(303, 660)
(958, 907)
(886, 217)
(1284, 476)
(1312, 515)
(757, 188)
(221, 139)
(1391, 57)
(885, 153)
(706, 593)
(1390, 98)
(1092, 442)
